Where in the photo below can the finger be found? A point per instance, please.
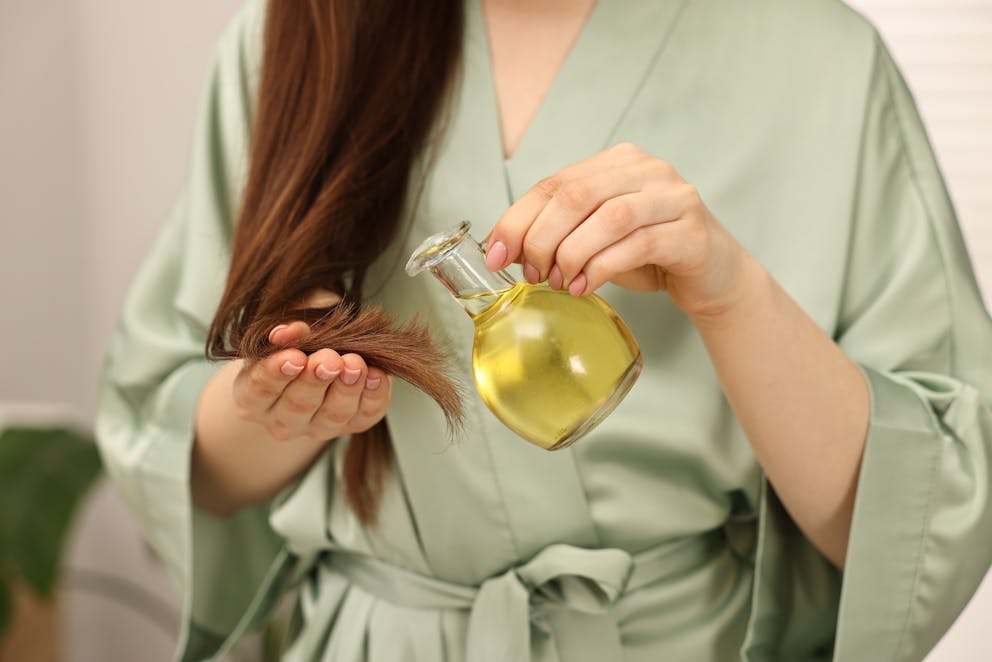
(374, 400)
(650, 248)
(284, 334)
(341, 400)
(304, 395)
(506, 238)
(321, 298)
(572, 206)
(615, 219)
(260, 383)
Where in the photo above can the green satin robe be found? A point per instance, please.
(656, 537)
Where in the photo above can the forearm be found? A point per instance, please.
(802, 402)
(628, 217)
(236, 462)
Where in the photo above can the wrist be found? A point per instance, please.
(750, 287)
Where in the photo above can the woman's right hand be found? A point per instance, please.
(316, 397)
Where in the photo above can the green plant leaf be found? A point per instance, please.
(44, 472)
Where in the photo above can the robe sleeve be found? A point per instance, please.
(912, 319)
(154, 367)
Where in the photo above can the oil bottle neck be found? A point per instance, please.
(463, 271)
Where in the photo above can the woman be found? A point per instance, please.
(800, 473)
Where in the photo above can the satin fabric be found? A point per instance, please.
(794, 124)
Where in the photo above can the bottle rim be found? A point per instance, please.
(434, 249)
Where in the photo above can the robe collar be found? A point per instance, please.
(467, 179)
(584, 107)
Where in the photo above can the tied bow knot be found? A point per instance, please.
(573, 588)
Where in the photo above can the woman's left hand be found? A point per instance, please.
(626, 217)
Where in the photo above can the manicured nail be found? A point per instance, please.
(531, 273)
(324, 374)
(350, 376)
(290, 369)
(276, 330)
(372, 383)
(496, 257)
(555, 279)
(578, 285)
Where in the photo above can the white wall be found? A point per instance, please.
(141, 69)
(97, 99)
(97, 102)
(40, 228)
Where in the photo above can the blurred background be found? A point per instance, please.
(97, 101)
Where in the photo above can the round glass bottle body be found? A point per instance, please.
(549, 365)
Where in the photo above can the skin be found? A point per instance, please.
(259, 426)
(627, 217)
(622, 216)
(528, 42)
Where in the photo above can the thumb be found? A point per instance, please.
(320, 298)
(285, 334)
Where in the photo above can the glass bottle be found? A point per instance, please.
(549, 365)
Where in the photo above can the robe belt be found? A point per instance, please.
(571, 587)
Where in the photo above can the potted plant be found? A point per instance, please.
(45, 470)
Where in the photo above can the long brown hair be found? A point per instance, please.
(350, 92)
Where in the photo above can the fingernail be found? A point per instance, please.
(555, 279)
(496, 257)
(578, 285)
(276, 330)
(531, 274)
(372, 383)
(350, 376)
(290, 369)
(324, 374)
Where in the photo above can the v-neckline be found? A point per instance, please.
(600, 76)
(487, 12)
(466, 178)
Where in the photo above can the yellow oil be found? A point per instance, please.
(549, 365)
